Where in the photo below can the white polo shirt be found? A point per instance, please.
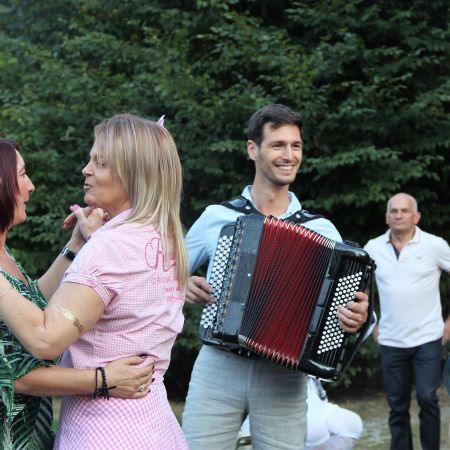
(408, 288)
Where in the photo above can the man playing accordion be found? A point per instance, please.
(225, 386)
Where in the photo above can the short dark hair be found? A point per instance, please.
(8, 182)
(276, 114)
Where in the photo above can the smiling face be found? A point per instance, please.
(25, 187)
(278, 158)
(102, 189)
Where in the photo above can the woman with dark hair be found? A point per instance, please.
(26, 382)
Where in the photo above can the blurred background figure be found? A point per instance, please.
(411, 330)
(329, 427)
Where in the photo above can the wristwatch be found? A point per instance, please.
(68, 253)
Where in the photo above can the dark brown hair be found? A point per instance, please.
(8, 182)
(277, 115)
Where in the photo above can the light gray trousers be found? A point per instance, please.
(224, 387)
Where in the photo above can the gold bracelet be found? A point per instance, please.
(69, 316)
(4, 294)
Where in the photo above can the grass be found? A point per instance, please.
(373, 409)
(374, 412)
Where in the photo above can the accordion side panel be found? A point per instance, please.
(216, 280)
(329, 350)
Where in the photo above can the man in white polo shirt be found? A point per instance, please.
(411, 329)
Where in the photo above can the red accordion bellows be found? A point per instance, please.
(290, 267)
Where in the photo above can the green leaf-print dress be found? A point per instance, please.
(25, 421)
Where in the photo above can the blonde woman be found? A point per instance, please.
(123, 293)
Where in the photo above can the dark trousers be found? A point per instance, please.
(399, 365)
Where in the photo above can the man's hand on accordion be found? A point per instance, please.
(353, 317)
(198, 291)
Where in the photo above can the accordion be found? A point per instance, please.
(277, 286)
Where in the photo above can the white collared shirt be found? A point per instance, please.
(408, 288)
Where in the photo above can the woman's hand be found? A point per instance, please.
(86, 221)
(130, 381)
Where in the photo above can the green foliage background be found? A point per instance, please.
(372, 79)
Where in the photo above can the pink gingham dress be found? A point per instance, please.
(143, 315)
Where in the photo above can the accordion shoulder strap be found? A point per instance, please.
(244, 206)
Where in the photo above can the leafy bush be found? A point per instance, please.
(371, 79)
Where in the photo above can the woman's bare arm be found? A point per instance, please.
(88, 220)
(130, 381)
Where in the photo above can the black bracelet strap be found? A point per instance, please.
(103, 390)
(94, 395)
(68, 253)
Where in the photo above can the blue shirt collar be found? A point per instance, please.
(294, 204)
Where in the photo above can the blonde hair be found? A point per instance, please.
(144, 157)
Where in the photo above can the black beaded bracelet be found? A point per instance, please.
(103, 390)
